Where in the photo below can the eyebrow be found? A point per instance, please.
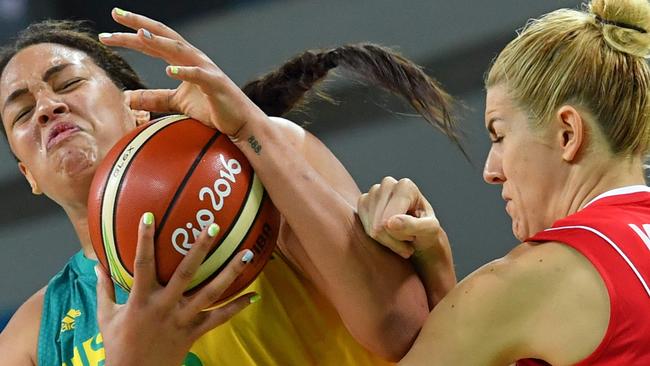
(47, 75)
(490, 124)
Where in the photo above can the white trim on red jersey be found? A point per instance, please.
(619, 191)
(613, 245)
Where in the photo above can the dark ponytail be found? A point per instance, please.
(281, 90)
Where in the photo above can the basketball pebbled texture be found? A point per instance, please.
(188, 175)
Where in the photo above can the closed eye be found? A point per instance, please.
(69, 84)
(22, 114)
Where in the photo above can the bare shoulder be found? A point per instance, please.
(19, 340)
(320, 158)
(571, 301)
(291, 130)
(529, 304)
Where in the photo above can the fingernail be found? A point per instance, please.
(173, 69)
(121, 12)
(105, 35)
(213, 230)
(255, 298)
(146, 34)
(96, 270)
(147, 218)
(248, 256)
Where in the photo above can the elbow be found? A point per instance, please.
(394, 336)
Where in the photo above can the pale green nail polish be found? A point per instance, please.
(248, 256)
(105, 35)
(147, 218)
(121, 12)
(213, 230)
(173, 69)
(255, 298)
(147, 34)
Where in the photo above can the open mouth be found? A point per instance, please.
(60, 132)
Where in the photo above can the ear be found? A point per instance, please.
(572, 132)
(141, 117)
(30, 178)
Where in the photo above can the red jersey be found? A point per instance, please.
(613, 233)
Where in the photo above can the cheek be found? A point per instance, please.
(26, 142)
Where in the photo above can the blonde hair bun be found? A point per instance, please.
(625, 24)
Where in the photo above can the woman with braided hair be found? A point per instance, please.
(567, 110)
(331, 296)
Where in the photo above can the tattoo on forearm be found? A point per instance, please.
(255, 145)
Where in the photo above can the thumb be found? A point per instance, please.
(105, 295)
(152, 100)
(407, 227)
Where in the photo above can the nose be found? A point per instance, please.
(48, 108)
(493, 170)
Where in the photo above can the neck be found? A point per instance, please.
(587, 182)
(79, 219)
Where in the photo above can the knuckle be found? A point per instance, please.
(158, 25)
(179, 45)
(146, 234)
(143, 262)
(184, 273)
(406, 182)
(388, 180)
(213, 294)
(362, 199)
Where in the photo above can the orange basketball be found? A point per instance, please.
(189, 176)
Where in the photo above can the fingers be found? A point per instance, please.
(221, 315)
(186, 270)
(105, 295)
(385, 195)
(406, 199)
(207, 81)
(137, 21)
(407, 226)
(144, 267)
(174, 51)
(380, 203)
(212, 292)
(152, 100)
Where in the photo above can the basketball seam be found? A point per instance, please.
(184, 182)
(119, 189)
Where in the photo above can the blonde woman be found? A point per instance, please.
(567, 112)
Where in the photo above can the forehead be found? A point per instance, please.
(31, 62)
(499, 105)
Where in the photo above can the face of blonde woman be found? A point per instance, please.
(62, 114)
(526, 163)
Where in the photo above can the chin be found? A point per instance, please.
(76, 163)
(518, 231)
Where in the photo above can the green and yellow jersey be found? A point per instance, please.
(292, 324)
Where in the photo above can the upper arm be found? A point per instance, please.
(19, 340)
(321, 159)
(529, 304)
(378, 295)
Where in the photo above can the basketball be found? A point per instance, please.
(189, 176)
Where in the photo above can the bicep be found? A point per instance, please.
(479, 322)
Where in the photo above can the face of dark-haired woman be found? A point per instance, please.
(62, 114)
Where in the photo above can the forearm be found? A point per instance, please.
(376, 293)
(435, 267)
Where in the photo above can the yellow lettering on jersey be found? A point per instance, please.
(94, 350)
(76, 359)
